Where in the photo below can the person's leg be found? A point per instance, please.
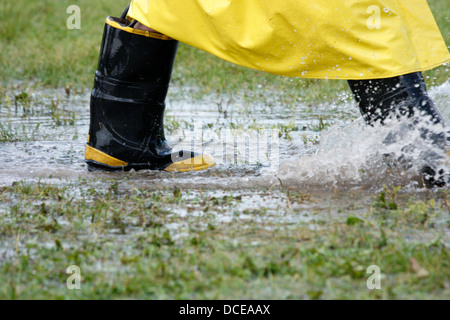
(384, 100)
(128, 101)
(140, 26)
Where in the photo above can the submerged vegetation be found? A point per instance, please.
(139, 238)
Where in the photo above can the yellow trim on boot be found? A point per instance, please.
(148, 34)
(101, 157)
(198, 163)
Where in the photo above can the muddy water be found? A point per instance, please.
(256, 145)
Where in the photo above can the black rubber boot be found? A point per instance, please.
(401, 96)
(405, 96)
(127, 104)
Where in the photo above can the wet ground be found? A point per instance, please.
(301, 190)
(264, 146)
(259, 144)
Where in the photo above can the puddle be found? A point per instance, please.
(256, 145)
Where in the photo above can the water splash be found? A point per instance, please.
(365, 157)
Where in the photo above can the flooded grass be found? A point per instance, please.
(302, 214)
(234, 231)
(204, 244)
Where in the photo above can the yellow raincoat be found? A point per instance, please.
(331, 39)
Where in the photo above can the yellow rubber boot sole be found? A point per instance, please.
(100, 159)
